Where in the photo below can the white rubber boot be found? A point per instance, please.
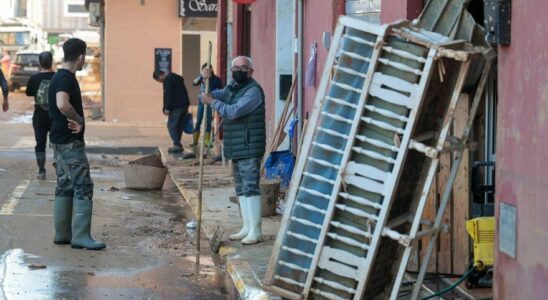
(245, 220)
(255, 219)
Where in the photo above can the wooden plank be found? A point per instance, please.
(413, 264)
(429, 214)
(461, 194)
(444, 251)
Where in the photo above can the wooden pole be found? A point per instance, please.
(201, 173)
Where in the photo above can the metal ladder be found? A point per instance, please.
(346, 175)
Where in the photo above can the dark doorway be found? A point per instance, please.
(246, 31)
(476, 10)
(191, 64)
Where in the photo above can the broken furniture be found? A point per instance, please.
(369, 157)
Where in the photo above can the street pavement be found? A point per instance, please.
(150, 254)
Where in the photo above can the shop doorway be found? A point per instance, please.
(191, 63)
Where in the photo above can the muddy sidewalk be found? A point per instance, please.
(150, 254)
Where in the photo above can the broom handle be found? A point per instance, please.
(201, 173)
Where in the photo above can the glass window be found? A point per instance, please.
(75, 8)
(27, 59)
(14, 38)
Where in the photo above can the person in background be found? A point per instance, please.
(5, 61)
(175, 107)
(215, 83)
(242, 105)
(5, 91)
(37, 87)
(73, 204)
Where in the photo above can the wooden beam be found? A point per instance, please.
(461, 194)
(430, 214)
(444, 251)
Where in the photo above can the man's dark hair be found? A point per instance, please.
(204, 65)
(73, 48)
(157, 73)
(46, 59)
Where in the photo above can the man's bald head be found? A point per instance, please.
(243, 61)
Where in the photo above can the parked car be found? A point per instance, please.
(23, 67)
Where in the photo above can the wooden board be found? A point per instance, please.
(429, 214)
(445, 250)
(461, 194)
(453, 250)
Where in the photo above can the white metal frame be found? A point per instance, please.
(347, 169)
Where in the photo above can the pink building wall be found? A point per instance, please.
(317, 20)
(522, 159)
(132, 32)
(263, 53)
(393, 10)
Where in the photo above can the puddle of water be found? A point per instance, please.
(22, 119)
(17, 281)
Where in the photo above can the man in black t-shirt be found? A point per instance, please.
(73, 195)
(175, 106)
(41, 122)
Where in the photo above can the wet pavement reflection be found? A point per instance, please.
(150, 253)
(22, 276)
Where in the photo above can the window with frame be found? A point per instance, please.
(75, 8)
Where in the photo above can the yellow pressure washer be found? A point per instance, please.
(482, 232)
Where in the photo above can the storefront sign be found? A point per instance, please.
(162, 59)
(198, 8)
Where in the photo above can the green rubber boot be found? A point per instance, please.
(62, 218)
(195, 138)
(81, 225)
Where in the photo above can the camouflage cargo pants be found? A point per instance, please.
(73, 176)
(247, 174)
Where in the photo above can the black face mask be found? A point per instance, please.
(240, 76)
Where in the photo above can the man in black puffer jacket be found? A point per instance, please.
(242, 105)
(175, 106)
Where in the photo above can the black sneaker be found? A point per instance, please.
(175, 149)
